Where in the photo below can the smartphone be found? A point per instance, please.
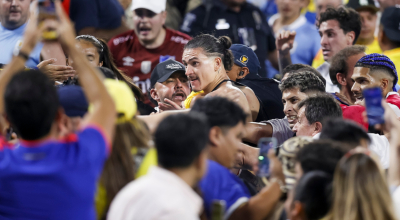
(373, 103)
(265, 144)
(47, 10)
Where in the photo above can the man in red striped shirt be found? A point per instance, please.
(138, 51)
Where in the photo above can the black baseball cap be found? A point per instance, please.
(390, 21)
(359, 5)
(164, 70)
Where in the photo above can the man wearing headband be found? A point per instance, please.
(377, 69)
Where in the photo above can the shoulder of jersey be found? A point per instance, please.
(123, 38)
(179, 37)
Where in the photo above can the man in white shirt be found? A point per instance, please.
(352, 134)
(338, 28)
(166, 192)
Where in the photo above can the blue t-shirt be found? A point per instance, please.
(220, 184)
(11, 40)
(52, 179)
(101, 14)
(306, 43)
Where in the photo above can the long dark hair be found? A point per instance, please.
(108, 62)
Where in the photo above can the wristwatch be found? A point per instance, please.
(22, 54)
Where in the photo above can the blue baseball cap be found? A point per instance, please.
(244, 56)
(73, 100)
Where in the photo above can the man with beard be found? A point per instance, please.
(377, 70)
(138, 51)
(169, 85)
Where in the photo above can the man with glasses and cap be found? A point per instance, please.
(169, 85)
(138, 51)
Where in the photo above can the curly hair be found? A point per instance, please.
(348, 18)
(339, 62)
(305, 81)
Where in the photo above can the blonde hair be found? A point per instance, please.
(360, 191)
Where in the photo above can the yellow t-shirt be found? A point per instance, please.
(188, 100)
(373, 47)
(394, 55)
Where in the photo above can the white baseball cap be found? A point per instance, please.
(155, 6)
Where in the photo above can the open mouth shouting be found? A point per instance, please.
(179, 96)
(194, 81)
(144, 30)
(292, 119)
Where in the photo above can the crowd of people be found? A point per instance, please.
(155, 109)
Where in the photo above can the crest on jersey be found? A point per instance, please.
(244, 59)
(128, 61)
(145, 67)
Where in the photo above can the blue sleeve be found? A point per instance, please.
(93, 147)
(220, 184)
(101, 14)
(316, 44)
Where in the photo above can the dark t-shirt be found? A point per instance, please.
(248, 27)
(267, 90)
(101, 14)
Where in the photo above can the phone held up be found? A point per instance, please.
(47, 10)
(265, 144)
(373, 103)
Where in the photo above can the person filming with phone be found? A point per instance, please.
(376, 70)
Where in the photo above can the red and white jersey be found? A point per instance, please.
(393, 99)
(138, 62)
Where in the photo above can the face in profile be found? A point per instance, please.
(303, 126)
(333, 38)
(362, 79)
(14, 13)
(290, 99)
(90, 51)
(175, 88)
(228, 145)
(199, 68)
(147, 24)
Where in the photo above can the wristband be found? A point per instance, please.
(23, 55)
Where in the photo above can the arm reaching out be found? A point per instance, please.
(103, 112)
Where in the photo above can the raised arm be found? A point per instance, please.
(31, 38)
(284, 43)
(103, 113)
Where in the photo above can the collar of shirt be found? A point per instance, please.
(300, 21)
(170, 178)
(20, 29)
(391, 93)
(316, 136)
